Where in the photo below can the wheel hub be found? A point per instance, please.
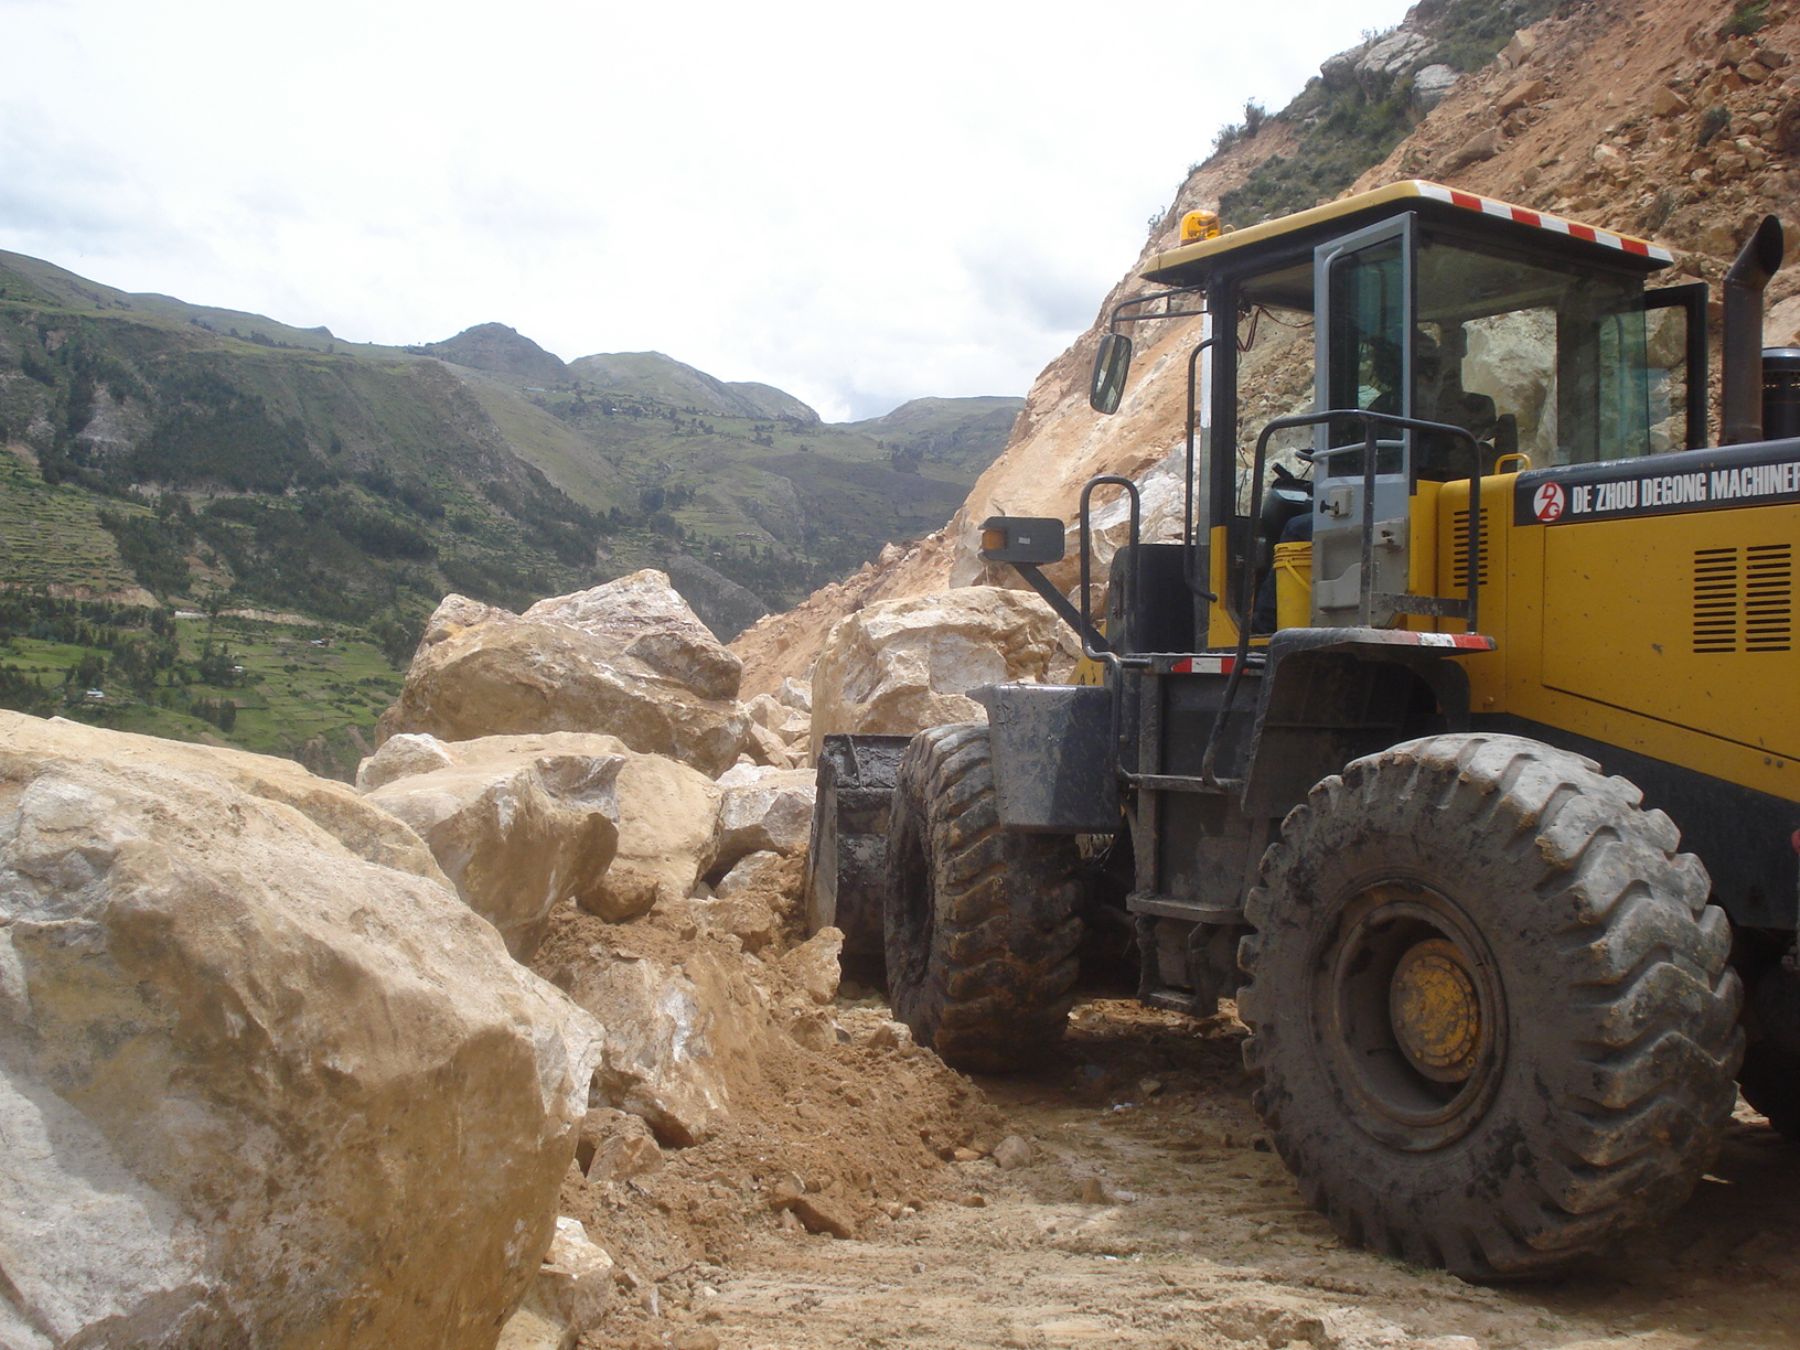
(1414, 1014)
(1435, 1011)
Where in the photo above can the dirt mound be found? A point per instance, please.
(840, 1128)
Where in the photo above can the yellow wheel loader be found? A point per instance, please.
(1458, 738)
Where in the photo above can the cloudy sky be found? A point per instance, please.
(860, 204)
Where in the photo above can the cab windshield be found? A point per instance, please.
(1553, 359)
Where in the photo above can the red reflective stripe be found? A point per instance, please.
(1467, 200)
(1582, 232)
(1185, 666)
(1525, 217)
(1227, 664)
(1636, 246)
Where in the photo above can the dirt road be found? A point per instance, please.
(1152, 1214)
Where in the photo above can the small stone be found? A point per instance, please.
(965, 1155)
(813, 965)
(1517, 52)
(1481, 146)
(1525, 91)
(814, 1030)
(697, 1339)
(820, 1215)
(1013, 1151)
(1665, 102)
(1093, 1191)
(786, 1189)
(976, 1200)
(886, 1036)
(1149, 1087)
(615, 1146)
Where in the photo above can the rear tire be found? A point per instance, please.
(982, 925)
(1489, 1005)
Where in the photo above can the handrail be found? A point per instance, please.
(1191, 548)
(1368, 447)
(1087, 492)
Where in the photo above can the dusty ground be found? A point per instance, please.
(1153, 1215)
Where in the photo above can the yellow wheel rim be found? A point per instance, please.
(1435, 1010)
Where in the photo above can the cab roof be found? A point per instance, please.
(1192, 263)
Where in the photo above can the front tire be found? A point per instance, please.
(982, 925)
(1489, 1005)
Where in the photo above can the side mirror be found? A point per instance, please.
(1022, 539)
(1111, 364)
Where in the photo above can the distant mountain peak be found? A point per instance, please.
(499, 349)
(655, 376)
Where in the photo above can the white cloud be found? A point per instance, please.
(859, 204)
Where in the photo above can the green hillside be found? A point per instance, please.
(953, 434)
(662, 379)
(172, 457)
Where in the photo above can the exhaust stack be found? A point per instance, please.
(1740, 399)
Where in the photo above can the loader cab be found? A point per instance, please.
(1533, 335)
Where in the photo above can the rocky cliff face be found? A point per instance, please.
(1651, 117)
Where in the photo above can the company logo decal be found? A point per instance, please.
(1622, 494)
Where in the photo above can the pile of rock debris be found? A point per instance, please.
(523, 1019)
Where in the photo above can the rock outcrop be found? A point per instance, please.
(902, 665)
(482, 671)
(520, 824)
(251, 1071)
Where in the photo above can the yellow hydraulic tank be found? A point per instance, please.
(1293, 584)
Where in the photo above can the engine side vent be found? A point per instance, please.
(1744, 599)
(1769, 598)
(1459, 553)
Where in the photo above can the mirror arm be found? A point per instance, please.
(1093, 642)
(1118, 315)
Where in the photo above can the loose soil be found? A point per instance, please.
(1153, 1214)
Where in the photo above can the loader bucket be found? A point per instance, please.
(846, 869)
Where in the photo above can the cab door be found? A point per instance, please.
(1363, 288)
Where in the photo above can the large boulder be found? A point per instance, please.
(520, 824)
(678, 1034)
(667, 816)
(643, 618)
(762, 810)
(481, 671)
(334, 807)
(251, 1072)
(569, 1295)
(902, 665)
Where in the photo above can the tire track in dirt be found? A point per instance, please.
(1153, 1215)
